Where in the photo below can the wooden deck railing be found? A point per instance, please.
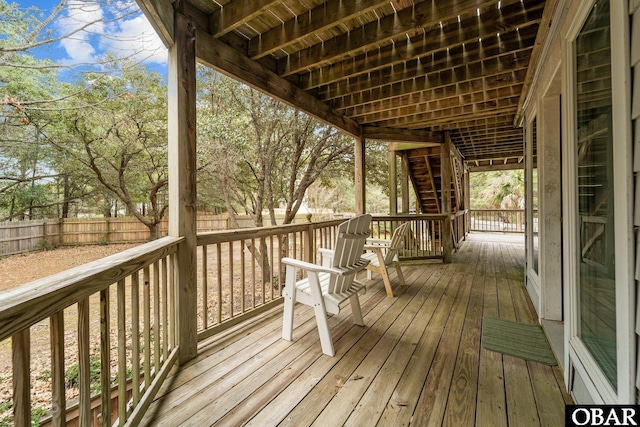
(118, 314)
(509, 220)
(425, 235)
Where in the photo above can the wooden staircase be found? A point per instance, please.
(424, 166)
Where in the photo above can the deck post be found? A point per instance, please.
(445, 172)
(361, 204)
(393, 183)
(405, 183)
(182, 180)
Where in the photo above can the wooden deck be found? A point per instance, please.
(417, 362)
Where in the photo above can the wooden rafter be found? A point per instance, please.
(407, 21)
(514, 35)
(236, 14)
(320, 18)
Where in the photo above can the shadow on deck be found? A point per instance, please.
(418, 361)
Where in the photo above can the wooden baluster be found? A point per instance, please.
(231, 280)
(172, 302)
(58, 387)
(122, 349)
(135, 336)
(205, 317)
(219, 283)
(156, 316)
(84, 361)
(243, 277)
(253, 276)
(165, 312)
(146, 308)
(21, 354)
(105, 357)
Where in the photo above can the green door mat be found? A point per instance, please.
(522, 340)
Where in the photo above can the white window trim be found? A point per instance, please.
(577, 355)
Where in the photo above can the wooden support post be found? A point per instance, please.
(182, 180)
(405, 183)
(393, 183)
(467, 200)
(360, 187)
(445, 172)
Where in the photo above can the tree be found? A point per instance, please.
(119, 138)
(260, 153)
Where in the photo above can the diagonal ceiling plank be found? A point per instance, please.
(323, 17)
(237, 13)
(442, 45)
(406, 22)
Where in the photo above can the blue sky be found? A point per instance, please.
(131, 36)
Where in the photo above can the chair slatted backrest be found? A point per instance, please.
(396, 240)
(352, 235)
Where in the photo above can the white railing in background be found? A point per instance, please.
(507, 220)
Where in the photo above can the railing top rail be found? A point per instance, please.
(408, 217)
(496, 210)
(224, 236)
(33, 302)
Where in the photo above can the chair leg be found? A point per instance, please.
(356, 310)
(287, 318)
(387, 283)
(323, 330)
(399, 271)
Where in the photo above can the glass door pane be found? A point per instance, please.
(594, 153)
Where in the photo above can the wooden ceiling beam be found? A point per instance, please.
(382, 85)
(436, 106)
(237, 13)
(323, 17)
(408, 21)
(160, 16)
(408, 93)
(424, 120)
(216, 54)
(439, 47)
(401, 135)
(435, 99)
(478, 123)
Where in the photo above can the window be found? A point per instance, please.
(595, 204)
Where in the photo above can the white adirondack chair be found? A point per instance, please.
(326, 286)
(383, 253)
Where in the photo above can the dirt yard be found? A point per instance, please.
(19, 269)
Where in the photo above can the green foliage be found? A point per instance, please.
(37, 414)
(72, 375)
(497, 189)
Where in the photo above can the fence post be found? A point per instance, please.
(61, 231)
(45, 243)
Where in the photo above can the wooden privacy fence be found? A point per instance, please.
(27, 236)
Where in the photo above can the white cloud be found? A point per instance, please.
(132, 36)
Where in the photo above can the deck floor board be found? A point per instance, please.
(418, 360)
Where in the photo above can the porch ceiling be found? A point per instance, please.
(400, 70)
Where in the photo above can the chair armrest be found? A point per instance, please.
(307, 266)
(376, 248)
(378, 242)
